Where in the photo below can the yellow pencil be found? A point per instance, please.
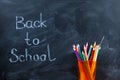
(95, 53)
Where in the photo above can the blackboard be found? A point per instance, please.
(67, 22)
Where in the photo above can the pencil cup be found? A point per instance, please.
(87, 70)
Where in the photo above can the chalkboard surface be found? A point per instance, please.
(36, 38)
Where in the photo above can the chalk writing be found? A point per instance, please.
(28, 57)
(21, 24)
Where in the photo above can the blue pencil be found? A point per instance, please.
(89, 52)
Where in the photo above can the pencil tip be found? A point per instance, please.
(101, 40)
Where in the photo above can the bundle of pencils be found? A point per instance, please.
(87, 60)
